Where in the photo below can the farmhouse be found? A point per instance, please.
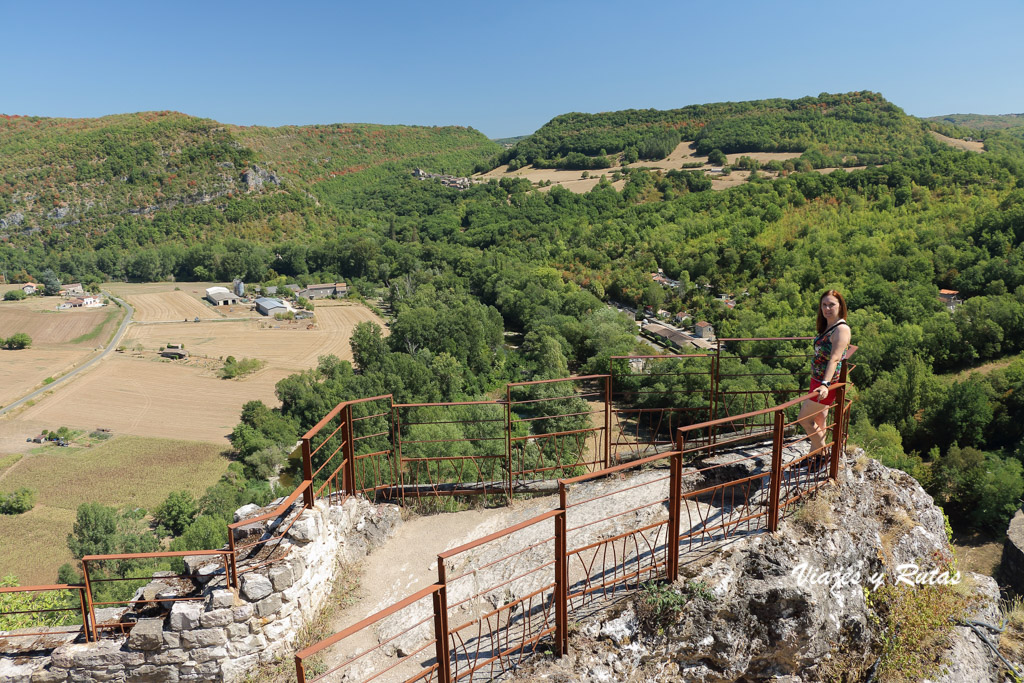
(704, 330)
(268, 306)
(74, 289)
(88, 301)
(221, 296)
(950, 297)
(323, 291)
(29, 288)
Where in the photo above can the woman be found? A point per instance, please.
(829, 351)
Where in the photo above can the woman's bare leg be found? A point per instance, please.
(813, 419)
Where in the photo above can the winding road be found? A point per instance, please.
(88, 364)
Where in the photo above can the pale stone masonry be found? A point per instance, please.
(227, 634)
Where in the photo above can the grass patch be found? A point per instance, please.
(49, 380)
(9, 460)
(916, 624)
(817, 510)
(124, 471)
(1011, 642)
(95, 332)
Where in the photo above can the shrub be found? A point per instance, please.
(17, 502)
(239, 368)
(660, 604)
(14, 295)
(14, 605)
(18, 340)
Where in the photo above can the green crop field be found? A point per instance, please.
(126, 471)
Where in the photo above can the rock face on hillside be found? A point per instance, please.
(750, 616)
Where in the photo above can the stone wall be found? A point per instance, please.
(228, 632)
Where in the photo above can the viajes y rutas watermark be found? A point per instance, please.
(910, 574)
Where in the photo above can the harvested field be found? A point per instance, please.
(61, 340)
(49, 326)
(160, 306)
(683, 154)
(152, 398)
(22, 371)
(122, 472)
(968, 145)
(283, 344)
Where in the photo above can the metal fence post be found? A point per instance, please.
(443, 653)
(233, 558)
(85, 614)
(88, 598)
(839, 427)
(309, 495)
(608, 421)
(561, 579)
(775, 482)
(508, 437)
(349, 451)
(675, 502)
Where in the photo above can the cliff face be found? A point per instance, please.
(804, 604)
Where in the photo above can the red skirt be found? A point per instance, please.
(830, 397)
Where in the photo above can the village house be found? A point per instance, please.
(29, 288)
(221, 296)
(87, 301)
(323, 291)
(704, 330)
(950, 297)
(74, 289)
(681, 317)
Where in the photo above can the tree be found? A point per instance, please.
(18, 340)
(368, 346)
(717, 157)
(176, 512)
(94, 532)
(51, 285)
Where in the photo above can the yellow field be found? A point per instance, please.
(57, 341)
(125, 471)
(683, 154)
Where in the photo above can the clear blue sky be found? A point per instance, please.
(504, 68)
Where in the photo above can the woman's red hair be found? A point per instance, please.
(822, 323)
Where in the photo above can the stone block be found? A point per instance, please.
(216, 618)
(152, 674)
(237, 669)
(172, 640)
(304, 529)
(208, 654)
(250, 510)
(185, 616)
(147, 634)
(167, 657)
(256, 587)
(49, 676)
(242, 612)
(281, 576)
(237, 632)
(277, 630)
(268, 606)
(220, 599)
(204, 637)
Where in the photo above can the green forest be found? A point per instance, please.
(939, 392)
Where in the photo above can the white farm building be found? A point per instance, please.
(221, 296)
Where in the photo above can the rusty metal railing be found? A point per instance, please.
(602, 545)
(180, 587)
(55, 620)
(268, 545)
